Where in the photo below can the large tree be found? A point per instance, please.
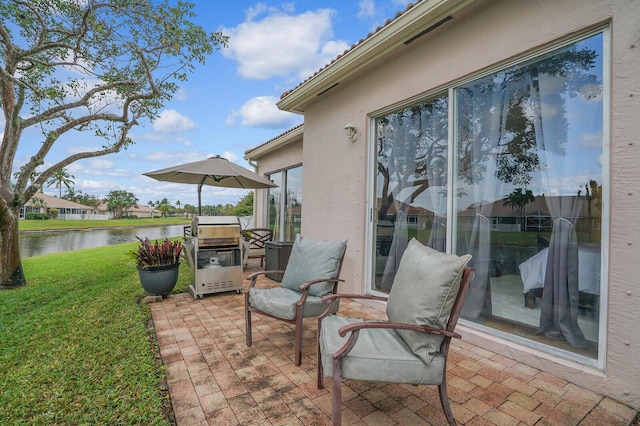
(518, 200)
(119, 201)
(100, 66)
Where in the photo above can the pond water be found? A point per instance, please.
(37, 243)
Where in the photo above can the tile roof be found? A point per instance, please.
(353, 46)
(55, 202)
(286, 132)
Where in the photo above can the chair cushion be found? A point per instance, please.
(312, 259)
(379, 355)
(423, 292)
(281, 302)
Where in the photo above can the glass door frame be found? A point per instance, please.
(371, 219)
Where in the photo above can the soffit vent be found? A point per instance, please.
(431, 28)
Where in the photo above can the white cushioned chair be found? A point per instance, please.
(312, 272)
(423, 308)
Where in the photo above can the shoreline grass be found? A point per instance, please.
(75, 343)
(55, 224)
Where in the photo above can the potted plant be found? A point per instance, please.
(157, 264)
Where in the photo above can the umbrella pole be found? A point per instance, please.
(199, 199)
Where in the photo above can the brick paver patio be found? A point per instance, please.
(215, 379)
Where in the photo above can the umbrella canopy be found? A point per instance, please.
(214, 171)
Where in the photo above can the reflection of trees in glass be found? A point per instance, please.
(518, 200)
(593, 196)
(501, 115)
(412, 150)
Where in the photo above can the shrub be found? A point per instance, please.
(36, 216)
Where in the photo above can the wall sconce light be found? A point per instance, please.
(351, 132)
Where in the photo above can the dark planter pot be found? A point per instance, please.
(159, 280)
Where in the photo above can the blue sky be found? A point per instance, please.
(228, 105)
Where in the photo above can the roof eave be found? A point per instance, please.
(275, 144)
(422, 15)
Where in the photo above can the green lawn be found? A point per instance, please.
(43, 225)
(75, 345)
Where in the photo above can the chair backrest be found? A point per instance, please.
(313, 259)
(257, 237)
(424, 291)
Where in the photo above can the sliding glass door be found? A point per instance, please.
(284, 211)
(528, 175)
(412, 154)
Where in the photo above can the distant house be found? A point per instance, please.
(66, 209)
(139, 211)
(143, 211)
(481, 98)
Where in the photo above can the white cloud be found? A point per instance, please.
(170, 158)
(283, 44)
(261, 111)
(77, 149)
(100, 164)
(377, 13)
(252, 12)
(180, 94)
(366, 9)
(230, 156)
(591, 140)
(96, 167)
(232, 118)
(171, 121)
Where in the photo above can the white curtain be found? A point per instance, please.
(560, 296)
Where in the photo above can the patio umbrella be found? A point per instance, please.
(214, 171)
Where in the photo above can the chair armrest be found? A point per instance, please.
(355, 328)
(253, 277)
(329, 297)
(304, 286)
(396, 326)
(332, 299)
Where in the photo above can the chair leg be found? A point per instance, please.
(444, 400)
(247, 320)
(298, 342)
(336, 393)
(319, 358)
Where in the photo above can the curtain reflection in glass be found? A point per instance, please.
(529, 143)
(411, 148)
(293, 207)
(274, 198)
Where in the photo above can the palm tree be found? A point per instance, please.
(61, 177)
(518, 200)
(38, 203)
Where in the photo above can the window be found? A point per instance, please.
(412, 152)
(284, 213)
(528, 183)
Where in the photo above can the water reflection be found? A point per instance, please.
(34, 244)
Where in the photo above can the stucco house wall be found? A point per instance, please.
(484, 35)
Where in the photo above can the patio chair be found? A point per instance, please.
(313, 271)
(254, 241)
(423, 308)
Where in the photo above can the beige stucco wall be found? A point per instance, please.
(480, 37)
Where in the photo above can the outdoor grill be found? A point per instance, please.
(214, 251)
